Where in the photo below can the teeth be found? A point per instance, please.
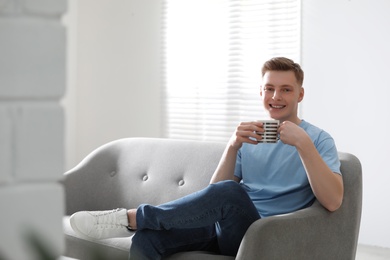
(277, 106)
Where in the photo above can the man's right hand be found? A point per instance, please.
(246, 132)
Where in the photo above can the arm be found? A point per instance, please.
(225, 168)
(326, 185)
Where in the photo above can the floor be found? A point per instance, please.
(372, 253)
(363, 253)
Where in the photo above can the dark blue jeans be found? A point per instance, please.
(213, 219)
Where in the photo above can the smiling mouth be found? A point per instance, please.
(277, 106)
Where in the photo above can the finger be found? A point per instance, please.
(252, 122)
(240, 140)
(281, 127)
(251, 126)
(248, 136)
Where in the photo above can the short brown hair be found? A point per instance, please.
(284, 64)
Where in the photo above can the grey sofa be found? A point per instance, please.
(127, 172)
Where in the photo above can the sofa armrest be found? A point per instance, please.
(304, 234)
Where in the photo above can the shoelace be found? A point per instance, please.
(107, 218)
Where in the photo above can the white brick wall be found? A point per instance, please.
(28, 208)
(35, 67)
(32, 82)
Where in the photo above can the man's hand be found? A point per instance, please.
(292, 134)
(246, 132)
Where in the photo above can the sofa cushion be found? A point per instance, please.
(113, 248)
(116, 248)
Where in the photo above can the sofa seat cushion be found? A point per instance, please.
(112, 248)
(116, 248)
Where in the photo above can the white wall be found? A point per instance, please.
(345, 52)
(114, 77)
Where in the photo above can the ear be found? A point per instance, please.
(261, 91)
(301, 94)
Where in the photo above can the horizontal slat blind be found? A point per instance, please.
(213, 53)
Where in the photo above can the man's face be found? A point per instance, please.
(281, 94)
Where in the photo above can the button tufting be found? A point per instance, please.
(181, 182)
(145, 178)
(112, 174)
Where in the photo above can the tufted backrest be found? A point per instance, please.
(131, 171)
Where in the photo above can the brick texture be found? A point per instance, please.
(30, 208)
(32, 83)
(38, 139)
(45, 7)
(6, 142)
(32, 63)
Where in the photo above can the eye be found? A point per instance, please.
(268, 89)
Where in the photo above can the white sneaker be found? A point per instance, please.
(100, 224)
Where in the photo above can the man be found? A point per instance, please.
(252, 181)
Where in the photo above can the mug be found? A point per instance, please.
(270, 134)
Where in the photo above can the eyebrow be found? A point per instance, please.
(271, 85)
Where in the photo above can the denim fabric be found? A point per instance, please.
(215, 218)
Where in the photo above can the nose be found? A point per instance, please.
(277, 95)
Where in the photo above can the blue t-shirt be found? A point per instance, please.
(273, 174)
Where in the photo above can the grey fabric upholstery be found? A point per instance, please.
(131, 171)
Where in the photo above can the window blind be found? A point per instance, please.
(212, 58)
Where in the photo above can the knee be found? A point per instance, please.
(227, 184)
(227, 187)
(230, 192)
